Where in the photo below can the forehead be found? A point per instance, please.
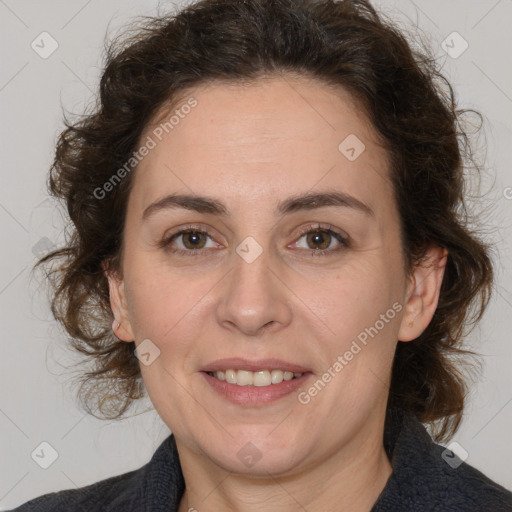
(257, 140)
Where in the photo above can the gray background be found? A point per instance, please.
(37, 398)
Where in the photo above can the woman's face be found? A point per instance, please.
(267, 280)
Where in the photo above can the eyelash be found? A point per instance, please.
(166, 242)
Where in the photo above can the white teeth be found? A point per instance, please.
(288, 375)
(259, 378)
(244, 378)
(277, 376)
(230, 376)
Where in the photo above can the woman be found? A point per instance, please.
(267, 206)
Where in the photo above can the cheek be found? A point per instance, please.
(165, 304)
(362, 302)
(151, 298)
(170, 304)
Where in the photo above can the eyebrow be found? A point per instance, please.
(208, 205)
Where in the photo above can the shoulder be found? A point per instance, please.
(428, 477)
(465, 485)
(156, 486)
(454, 485)
(105, 495)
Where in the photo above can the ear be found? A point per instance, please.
(423, 294)
(118, 304)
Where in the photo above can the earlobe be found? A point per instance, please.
(423, 294)
(121, 325)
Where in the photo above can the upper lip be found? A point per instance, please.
(253, 366)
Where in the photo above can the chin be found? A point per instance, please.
(257, 453)
(261, 465)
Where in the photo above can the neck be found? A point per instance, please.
(351, 479)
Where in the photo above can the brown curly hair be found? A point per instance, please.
(342, 43)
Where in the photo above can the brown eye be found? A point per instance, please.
(193, 239)
(189, 242)
(320, 237)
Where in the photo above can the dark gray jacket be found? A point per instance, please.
(423, 480)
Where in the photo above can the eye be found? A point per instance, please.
(323, 237)
(190, 241)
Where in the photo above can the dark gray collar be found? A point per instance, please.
(421, 480)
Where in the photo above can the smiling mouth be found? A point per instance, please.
(260, 378)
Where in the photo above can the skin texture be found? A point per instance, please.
(251, 147)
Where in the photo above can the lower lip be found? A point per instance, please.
(252, 396)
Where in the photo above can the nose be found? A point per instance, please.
(254, 298)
